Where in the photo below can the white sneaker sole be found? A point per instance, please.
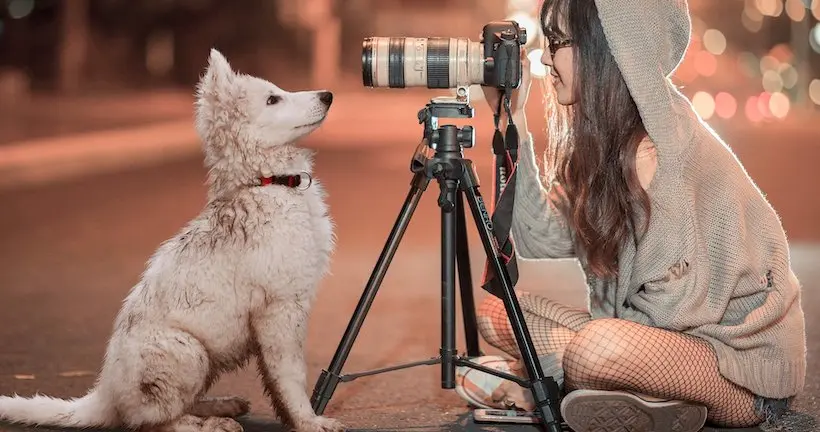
(608, 411)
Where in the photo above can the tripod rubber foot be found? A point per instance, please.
(548, 408)
(323, 391)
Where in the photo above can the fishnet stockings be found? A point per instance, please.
(551, 325)
(613, 354)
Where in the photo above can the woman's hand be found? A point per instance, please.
(518, 100)
(513, 395)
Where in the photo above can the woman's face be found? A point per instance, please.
(559, 57)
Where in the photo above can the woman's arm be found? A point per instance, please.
(537, 228)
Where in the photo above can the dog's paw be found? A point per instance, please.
(320, 424)
(221, 424)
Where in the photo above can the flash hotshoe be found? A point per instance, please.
(437, 62)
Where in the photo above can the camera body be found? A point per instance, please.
(436, 62)
(502, 42)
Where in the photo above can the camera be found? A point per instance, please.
(441, 63)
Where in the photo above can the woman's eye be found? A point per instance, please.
(273, 100)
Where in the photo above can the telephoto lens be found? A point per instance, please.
(436, 63)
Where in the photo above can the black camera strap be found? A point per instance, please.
(505, 152)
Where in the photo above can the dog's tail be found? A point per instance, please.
(90, 410)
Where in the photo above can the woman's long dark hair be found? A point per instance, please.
(593, 143)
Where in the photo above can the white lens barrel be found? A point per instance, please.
(421, 62)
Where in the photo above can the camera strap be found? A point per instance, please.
(505, 154)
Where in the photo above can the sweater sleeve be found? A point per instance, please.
(537, 228)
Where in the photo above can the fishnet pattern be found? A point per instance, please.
(613, 354)
(552, 325)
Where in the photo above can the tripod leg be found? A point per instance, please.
(329, 379)
(448, 285)
(544, 389)
(468, 309)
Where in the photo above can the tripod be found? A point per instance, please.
(457, 180)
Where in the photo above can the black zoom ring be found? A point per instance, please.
(438, 63)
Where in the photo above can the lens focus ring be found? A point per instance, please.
(438, 63)
(395, 65)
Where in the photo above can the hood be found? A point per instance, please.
(649, 39)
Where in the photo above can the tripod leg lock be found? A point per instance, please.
(323, 391)
(448, 368)
(548, 407)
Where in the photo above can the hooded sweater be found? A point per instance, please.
(714, 259)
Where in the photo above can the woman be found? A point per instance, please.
(694, 313)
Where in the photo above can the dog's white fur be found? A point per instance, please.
(236, 283)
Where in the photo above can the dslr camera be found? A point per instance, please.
(442, 63)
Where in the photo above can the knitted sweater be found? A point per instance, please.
(714, 260)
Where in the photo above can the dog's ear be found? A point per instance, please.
(218, 75)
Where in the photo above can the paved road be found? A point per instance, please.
(70, 252)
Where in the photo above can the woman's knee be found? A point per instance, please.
(490, 307)
(487, 315)
(599, 351)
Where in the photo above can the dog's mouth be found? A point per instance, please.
(307, 125)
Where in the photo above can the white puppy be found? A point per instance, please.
(236, 283)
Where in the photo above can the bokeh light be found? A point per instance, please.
(705, 63)
(814, 38)
(764, 105)
(20, 8)
(779, 105)
(704, 104)
(815, 9)
(796, 10)
(537, 68)
(814, 90)
(772, 8)
(714, 41)
(782, 52)
(768, 63)
(752, 111)
(752, 19)
(725, 105)
(789, 75)
(772, 82)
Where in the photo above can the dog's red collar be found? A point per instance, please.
(299, 181)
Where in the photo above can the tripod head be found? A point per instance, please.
(447, 107)
(447, 141)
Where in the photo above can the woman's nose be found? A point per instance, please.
(546, 57)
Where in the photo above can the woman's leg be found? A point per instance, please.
(613, 354)
(551, 325)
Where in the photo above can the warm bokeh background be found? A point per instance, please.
(99, 163)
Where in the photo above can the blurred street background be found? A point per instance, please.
(99, 163)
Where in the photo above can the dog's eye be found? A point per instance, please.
(272, 100)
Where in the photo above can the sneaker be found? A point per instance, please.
(607, 411)
(477, 387)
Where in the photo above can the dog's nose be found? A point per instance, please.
(326, 98)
